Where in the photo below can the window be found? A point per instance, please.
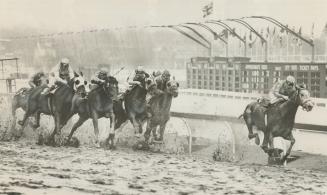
(217, 77)
(199, 77)
(211, 71)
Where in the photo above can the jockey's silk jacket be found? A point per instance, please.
(282, 88)
(58, 75)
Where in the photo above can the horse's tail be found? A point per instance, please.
(241, 116)
(14, 105)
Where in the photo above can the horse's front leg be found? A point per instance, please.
(149, 127)
(96, 128)
(288, 152)
(80, 121)
(162, 130)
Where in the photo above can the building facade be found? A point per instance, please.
(239, 74)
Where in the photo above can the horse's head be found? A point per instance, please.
(302, 98)
(172, 87)
(80, 84)
(149, 85)
(111, 87)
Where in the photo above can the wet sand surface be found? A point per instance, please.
(30, 169)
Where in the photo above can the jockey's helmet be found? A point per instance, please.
(64, 61)
(158, 73)
(290, 80)
(104, 70)
(139, 69)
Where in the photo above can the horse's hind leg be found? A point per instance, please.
(56, 129)
(31, 109)
(249, 125)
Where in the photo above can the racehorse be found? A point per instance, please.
(20, 101)
(280, 119)
(160, 106)
(100, 103)
(135, 103)
(58, 104)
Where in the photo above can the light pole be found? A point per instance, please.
(282, 26)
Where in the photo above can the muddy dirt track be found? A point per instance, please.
(30, 169)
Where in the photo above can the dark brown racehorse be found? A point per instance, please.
(135, 103)
(100, 103)
(280, 119)
(20, 101)
(58, 104)
(160, 106)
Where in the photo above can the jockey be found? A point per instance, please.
(37, 79)
(161, 82)
(135, 79)
(61, 73)
(282, 90)
(100, 76)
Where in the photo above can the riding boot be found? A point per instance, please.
(45, 91)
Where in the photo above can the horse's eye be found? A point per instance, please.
(168, 84)
(85, 82)
(77, 82)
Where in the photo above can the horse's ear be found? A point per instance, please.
(81, 73)
(75, 74)
(177, 84)
(173, 77)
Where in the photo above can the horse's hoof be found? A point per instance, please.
(97, 145)
(112, 147)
